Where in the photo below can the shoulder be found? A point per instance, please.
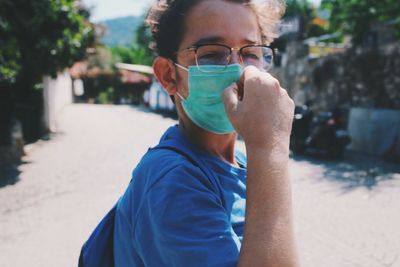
(181, 219)
(164, 166)
(161, 160)
(160, 174)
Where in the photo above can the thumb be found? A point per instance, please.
(231, 98)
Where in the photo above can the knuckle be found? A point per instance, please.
(250, 69)
(291, 103)
(254, 80)
(276, 84)
(272, 82)
(285, 92)
(249, 72)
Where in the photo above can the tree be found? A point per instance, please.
(356, 17)
(45, 35)
(143, 52)
(37, 38)
(144, 37)
(301, 9)
(306, 12)
(138, 53)
(132, 55)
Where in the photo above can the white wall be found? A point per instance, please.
(374, 131)
(159, 98)
(57, 94)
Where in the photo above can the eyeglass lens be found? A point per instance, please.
(259, 56)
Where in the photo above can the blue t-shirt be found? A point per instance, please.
(170, 215)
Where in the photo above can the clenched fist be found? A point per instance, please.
(263, 115)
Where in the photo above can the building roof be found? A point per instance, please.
(135, 68)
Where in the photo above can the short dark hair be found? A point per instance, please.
(166, 21)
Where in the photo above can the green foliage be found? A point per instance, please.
(304, 10)
(356, 17)
(138, 53)
(9, 58)
(123, 54)
(131, 55)
(142, 56)
(301, 8)
(307, 13)
(144, 37)
(106, 97)
(40, 37)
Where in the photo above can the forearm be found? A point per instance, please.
(268, 236)
(263, 117)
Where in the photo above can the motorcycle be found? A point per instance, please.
(324, 133)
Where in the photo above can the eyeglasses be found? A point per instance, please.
(260, 56)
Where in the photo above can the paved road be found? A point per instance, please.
(347, 213)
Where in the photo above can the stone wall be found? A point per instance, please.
(364, 83)
(12, 153)
(357, 78)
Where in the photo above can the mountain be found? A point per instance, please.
(120, 31)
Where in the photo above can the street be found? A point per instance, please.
(347, 213)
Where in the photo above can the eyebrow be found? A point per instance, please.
(206, 40)
(218, 39)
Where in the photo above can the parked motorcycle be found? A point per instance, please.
(324, 133)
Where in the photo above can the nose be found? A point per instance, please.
(235, 58)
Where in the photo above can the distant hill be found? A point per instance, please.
(120, 31)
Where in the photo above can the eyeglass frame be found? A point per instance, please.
(195, 47)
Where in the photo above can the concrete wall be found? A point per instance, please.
(374, 131)
(57, 93)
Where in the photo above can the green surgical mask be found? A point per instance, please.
(204, 105)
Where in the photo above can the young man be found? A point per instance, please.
(213, 62)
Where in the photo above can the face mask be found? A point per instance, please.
(204, 105)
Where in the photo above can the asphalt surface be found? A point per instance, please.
(347, 213)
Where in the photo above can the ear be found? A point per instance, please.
(164, 70)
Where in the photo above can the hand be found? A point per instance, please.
(264, 115)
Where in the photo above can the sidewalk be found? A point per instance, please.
(346, 213)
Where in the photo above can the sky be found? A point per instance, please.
(106, 9)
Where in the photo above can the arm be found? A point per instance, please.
(268, 236)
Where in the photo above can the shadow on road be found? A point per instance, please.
(10, 171)
(354, 170)
(9, 174)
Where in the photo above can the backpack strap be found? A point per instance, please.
(194, 159)
(98, 250)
